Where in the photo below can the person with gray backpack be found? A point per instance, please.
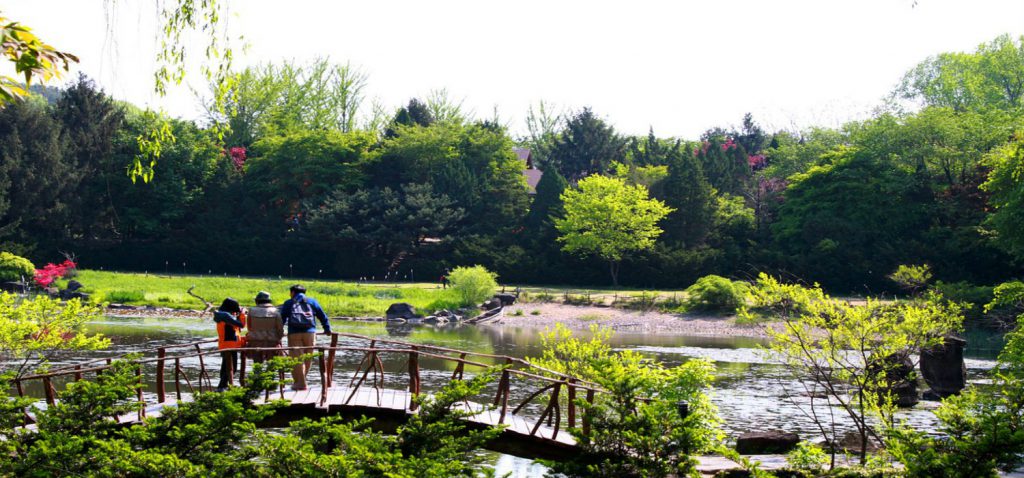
(299, 315)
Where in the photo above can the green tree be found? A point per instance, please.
(587, 145)
(31, 58)
(688, 193)
(608, 218)
(547, 203)
(1007, 197)
(390, 224)
(33, 330)
(473, 285)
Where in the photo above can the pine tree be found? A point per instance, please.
(688, 192)
(546, 203)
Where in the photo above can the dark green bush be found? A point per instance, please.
(15, 268)
(975, 296)
(713, 293)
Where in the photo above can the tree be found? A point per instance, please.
(473, 285)
(31, 57)
(854, 356)
(1007, 200)
(416, 113)
(33, 330)
(608, 218)
(547, 203)
(692, 199)
(391, 224)
(992, 76)
(586, 146)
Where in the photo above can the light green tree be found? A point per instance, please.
(30, 56)
(474, 284)
(855, 357)
(608, 218)
(33, 329)
(1007, 197)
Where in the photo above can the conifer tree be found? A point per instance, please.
(688, 192)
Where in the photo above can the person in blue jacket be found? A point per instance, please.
(299, 315)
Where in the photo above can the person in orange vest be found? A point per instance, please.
(230, 320)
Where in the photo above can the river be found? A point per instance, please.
(751, 392)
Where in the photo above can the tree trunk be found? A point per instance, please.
(613, 266)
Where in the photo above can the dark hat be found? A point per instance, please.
(298, 289)
(263, 297)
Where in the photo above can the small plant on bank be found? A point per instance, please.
(473, 285)
(535, 312)
(518, 313)
(716, 294)
(15, 268)
(808, 458)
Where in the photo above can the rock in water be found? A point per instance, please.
(943, 367)
(766, 443)
(899, 371)
(400, 310)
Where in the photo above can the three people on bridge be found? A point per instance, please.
(266, 325)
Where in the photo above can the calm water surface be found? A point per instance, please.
(751, 392)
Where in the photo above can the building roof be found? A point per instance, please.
(525, 155)
(532, 178)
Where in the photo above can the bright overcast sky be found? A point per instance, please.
(680, 67)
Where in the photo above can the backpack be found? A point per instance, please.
(301, 315)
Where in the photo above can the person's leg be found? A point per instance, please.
(298, 374)
(225, 370)
(308, 340)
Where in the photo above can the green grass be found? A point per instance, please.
(337, 298)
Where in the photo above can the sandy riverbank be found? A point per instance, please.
(541, 315)
(546, 315)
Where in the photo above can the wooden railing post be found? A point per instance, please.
(502, 397)
(78, 375)
(48, 389)
(571, 389)
(161, 354)
(586, 412)
(414, 377)
(330, 359)
(177, 378)
(323, 377)
(142, 398)
(202, 370)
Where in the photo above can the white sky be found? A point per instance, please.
(679, 66)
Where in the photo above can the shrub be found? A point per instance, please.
(473, 285)
(129, 296)
(716, 294)
(808, 457)
(15, 268)
(975, 296)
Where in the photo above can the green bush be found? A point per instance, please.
(128, 296)
(808, 457)
(473, 285)
(716, 294)
(15, 268)
(975, 296)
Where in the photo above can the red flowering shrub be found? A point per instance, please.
(238, 157)
(51, 272)
(757, 161)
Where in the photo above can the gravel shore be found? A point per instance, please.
(541, 315)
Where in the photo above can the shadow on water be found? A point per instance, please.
(751, 392)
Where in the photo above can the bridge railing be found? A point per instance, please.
(519, 380)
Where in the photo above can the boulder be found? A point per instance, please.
(400, 310)
(766, 443)
(506, 299)
(850, 442)
(899, 371)
(74, 285)
(943, 367)
(491, 304)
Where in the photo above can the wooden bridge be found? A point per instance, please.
(535, 405)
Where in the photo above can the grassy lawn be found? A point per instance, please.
(338, 298)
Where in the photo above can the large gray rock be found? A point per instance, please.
(401, 310)
(491, 304)
(766, 443)
(899, 371)
(505, 298)
(74, 285)
(943, 367)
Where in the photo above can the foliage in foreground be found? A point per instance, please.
(636, 428)
(856, 357)
(32, 329)
(982, 428)
(217, 435)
